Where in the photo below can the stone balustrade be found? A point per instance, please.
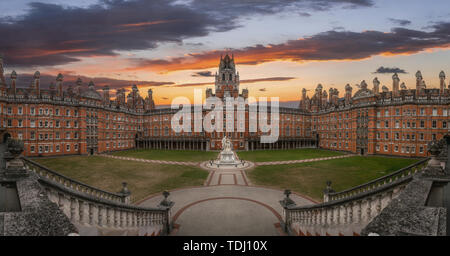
(98, 216)
(374, 184)
(349, 211)
(97, 212)
(341, 217)
(45, 172)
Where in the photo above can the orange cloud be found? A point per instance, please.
(331, 45)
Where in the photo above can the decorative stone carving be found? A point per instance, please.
(14, 167)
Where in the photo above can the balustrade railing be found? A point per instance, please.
(392, 177)
(347, 212)
(89, 213)
(45, 172)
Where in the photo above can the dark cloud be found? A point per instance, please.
(50, 34)
(203, 74)
(236, 8)
(304, 14)
(331, 45)
(25, 80)
(386, 70)
(400, 22)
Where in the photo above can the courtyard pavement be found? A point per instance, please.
(227, 204)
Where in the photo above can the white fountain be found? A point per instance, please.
(227, 158)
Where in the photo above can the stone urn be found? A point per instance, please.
(14, 164)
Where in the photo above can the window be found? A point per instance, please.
(32, 111)
(386, 124)
(57, 113)
(422, 111)
(422, 124)
(444, 124)
(434, 124)
(57, 148)
(68, 147)
(385, 148)
(9, 122)
(32, 149)
(20, 123)
(20, 111)
(32, 135)
(434, 111)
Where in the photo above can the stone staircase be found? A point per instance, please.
(417, 190)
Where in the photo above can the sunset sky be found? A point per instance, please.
(280, 46)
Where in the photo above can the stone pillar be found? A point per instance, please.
(125, 193)
(328, 190)
(287, 203)
(166, 205)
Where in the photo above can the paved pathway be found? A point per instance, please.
(228, 210)
(304, 160)
(197, 163)
(227, 204)
(149, 161)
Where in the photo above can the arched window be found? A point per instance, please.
(223, 77)
(231, 77)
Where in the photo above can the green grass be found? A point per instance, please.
(284, 155)
(169, 155)
(108, 174)
(309, 178)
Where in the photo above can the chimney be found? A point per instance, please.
(78, 86)
(59, 80)
(13, 81)
(418, 81)
(2, 76)
(376, 86)
(106, 97)
(348, 93)
(442, 82)
(395, 85)
(37, 76)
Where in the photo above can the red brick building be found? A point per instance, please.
(81, 120)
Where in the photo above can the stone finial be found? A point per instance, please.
(363, 84)
(442, 75)
(384, 88)
(287, 202)
(348, 87)
(418, 74)
(59, 77)
(376, 81)
(79, 82)
(403, 86)
(395, 76)
(166, 203)
(319, 87)
(37, 75)
(91, 85)
(13, 75)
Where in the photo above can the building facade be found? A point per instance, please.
(82, 120)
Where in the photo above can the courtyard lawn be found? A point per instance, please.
(108, 174)
(169, 155)
(310, 178)
(284, 155)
